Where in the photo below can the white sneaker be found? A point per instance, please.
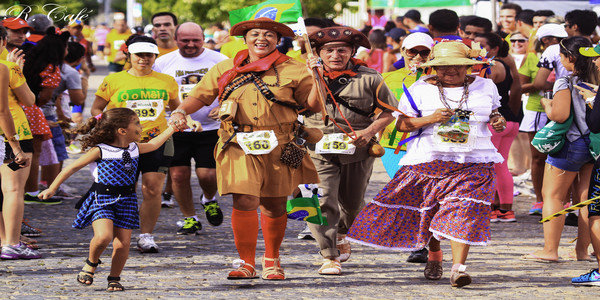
(146, 244)
(305, 234)
(168, 200)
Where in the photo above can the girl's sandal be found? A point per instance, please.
(243, 271)
(86, 276)
(274, 272)
(114, 284)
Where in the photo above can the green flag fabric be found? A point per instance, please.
(421, 3)
(306, 209)
(277, 10)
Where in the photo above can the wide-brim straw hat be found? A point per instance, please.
(241, 28)
(454, 54)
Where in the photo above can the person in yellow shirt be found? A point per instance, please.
(11, 211)
(149, 94)
(114, 39)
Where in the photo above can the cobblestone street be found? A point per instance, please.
(197, 266)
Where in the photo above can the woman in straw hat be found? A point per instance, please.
(358, 116)
(256, 176)
(446, 184)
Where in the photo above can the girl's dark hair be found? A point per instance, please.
(377, 39)
(494, 40)
(584, 66)
(50, 50)
(135, 38)
(104, 129)
(76, 51)
(3, 32)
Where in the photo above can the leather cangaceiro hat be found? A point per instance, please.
(241, 28)
(338, 34)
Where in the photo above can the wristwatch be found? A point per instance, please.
(14, 138)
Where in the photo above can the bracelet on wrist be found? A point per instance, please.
(179, 111)
(17, 154)
(496, 113)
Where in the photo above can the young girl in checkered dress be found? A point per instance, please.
(110, 205)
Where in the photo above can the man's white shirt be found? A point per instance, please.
(188, 72)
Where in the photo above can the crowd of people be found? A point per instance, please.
(261, 116)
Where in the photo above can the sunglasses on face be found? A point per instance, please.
(518, 41)
(413, 52)
(568, 25)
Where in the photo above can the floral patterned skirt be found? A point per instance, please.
(443, 199)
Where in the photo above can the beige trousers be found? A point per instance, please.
(343, 187)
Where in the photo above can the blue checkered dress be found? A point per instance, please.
(116, 167)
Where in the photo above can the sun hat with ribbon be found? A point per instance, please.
(454, 54)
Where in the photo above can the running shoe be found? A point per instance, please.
(29, 231)
(506, 217)
(591, 278)
(19, 251)
(35, 200)
(146, 244)
(214, 215)
(73, 149)
(536, 209)
(305, 234)
(168, 200)
(494, 216)
(419, 256)
(190, 226)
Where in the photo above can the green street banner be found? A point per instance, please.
(420, 3)
(278, 10)
(306, 209)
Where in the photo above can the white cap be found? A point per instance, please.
(142, 47)
(417, 39)
(555, 30)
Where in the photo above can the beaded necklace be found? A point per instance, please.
(463, 98)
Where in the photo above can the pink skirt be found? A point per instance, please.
(446, 200)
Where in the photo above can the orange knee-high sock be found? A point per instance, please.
(245, 233)
(273, 232)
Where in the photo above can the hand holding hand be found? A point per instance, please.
(498, 123)
(178, 122)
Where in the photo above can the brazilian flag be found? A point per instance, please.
(282, 11)
(306, 209)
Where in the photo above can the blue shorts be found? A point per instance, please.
(572, 156)
(77, 109)
(58, 140)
